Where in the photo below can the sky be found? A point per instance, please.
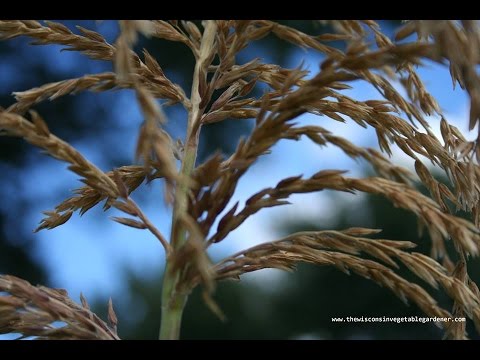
(89, 254)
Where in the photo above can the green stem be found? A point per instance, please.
(174, 296)
(173, 299)
(172, 306)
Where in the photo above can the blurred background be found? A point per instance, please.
(104, 259)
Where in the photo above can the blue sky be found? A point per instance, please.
(90, 253)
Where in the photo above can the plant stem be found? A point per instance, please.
(174, 300)
(174, 297)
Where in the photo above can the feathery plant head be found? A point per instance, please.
(201, 195)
